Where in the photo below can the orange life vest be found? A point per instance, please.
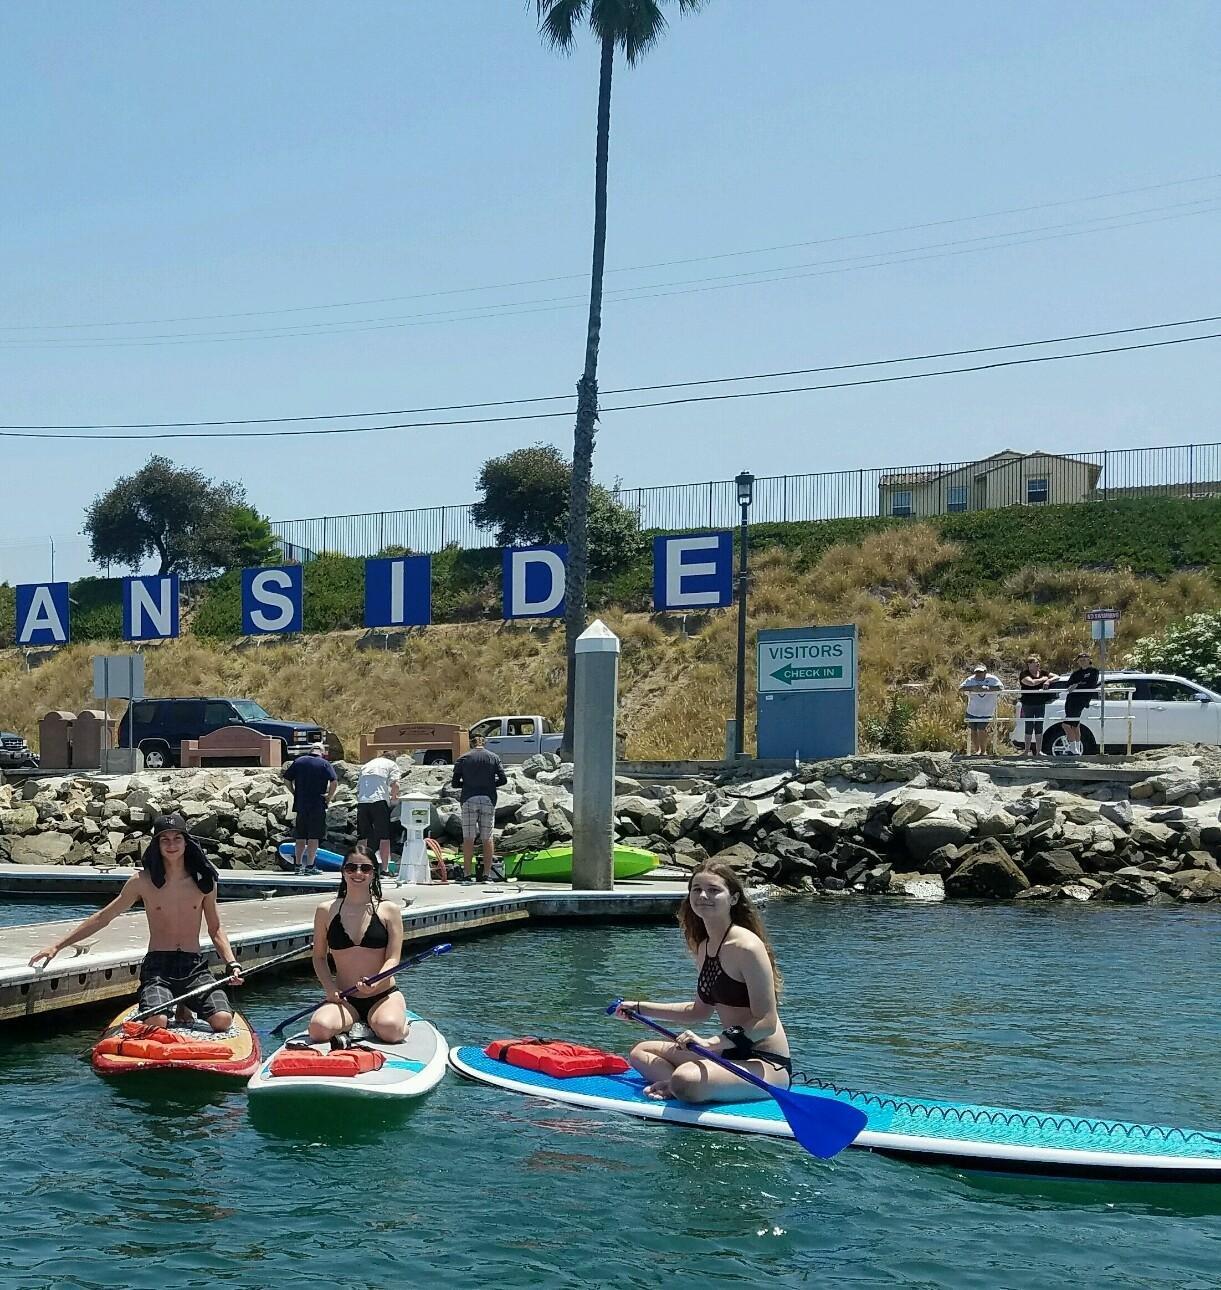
(556, 1057)
(341, 1062)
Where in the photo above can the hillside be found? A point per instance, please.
(929, 599)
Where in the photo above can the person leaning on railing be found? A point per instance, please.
(1033, 683)
(1083, 685)
(982, 689)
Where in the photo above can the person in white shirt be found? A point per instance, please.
(376, 790)
(982, 690)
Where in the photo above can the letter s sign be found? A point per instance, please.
(271, 600)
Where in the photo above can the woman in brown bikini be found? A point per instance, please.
(738, 981)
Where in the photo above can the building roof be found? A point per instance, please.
(928, 474)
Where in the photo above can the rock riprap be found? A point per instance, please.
(924, 826)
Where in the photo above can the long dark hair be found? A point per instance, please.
(362, 852)
(742, 913)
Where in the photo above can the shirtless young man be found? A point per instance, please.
(177, 886)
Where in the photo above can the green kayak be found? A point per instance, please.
(555, 864)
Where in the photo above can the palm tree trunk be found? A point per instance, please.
(587, 411)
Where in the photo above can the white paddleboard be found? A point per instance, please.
(410, 1069)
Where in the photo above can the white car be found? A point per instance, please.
(1164, 710)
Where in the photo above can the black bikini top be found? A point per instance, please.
(715, 985)
(376, 936)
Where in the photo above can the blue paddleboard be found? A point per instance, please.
(327, 861)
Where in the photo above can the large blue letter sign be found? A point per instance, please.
(534, 580)
(150, 608)
(42, 613)
(271, 600)
(398, 592)
(693, 571)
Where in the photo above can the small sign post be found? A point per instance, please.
(117, 676)
(1102, 629)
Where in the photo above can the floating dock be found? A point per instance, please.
(108, 966)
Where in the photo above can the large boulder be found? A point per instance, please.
(19, 819)
(645, 815)
(924, 836)
(40, 848)
(1128, 891)
(988, 871)
(738, 856)
(917, 886)
(1054, 867)
(1147, 836)
(523, 837)
(911, 810)
(1119, 813)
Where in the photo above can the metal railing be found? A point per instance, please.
(938, 488)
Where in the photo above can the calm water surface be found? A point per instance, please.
(1106, 1011)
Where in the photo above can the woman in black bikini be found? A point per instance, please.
(356, 937)
(739, 981)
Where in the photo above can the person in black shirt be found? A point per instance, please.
(314, 783)
(478, 774)
(1082, 689)
(1033, 683)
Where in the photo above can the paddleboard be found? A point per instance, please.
(194, 1046)
(555, 864)
(408, 1070)
(935, 1132)
(327, 861)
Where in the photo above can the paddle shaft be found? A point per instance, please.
(749, 1076)
(203, 989)
(347, 994)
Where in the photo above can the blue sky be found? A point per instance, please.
(163, 162)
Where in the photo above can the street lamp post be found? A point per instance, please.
(746, 493)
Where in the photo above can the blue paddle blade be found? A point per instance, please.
(823, 1125)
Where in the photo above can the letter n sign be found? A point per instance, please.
(693, 571)
(534, 581)
(398, 592)
(150, 608)
(42, 613)
(271, 600)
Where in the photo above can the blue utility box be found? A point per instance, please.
(806, 692)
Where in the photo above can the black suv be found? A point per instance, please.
(162, 725)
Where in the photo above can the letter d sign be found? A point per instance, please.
(271, 600)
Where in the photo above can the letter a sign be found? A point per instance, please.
(42, 613)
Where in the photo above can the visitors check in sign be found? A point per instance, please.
(815, 664)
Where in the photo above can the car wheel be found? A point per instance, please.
(1055, 743)
(437, 759)
(156, 757)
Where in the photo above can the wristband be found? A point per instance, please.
(736, 1036)
(233, 967)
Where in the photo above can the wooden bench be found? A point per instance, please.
(444, 742)
(232, 746)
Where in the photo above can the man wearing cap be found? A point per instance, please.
(982, 690)
(314, 783)
(177, 886)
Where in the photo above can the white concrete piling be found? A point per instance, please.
(593, 787)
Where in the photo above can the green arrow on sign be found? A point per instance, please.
(788, 674)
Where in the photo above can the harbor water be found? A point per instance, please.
(1086, 1009)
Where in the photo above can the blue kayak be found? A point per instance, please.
(961, 1134)
(327, 861)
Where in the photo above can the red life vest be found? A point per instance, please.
(556, 1057)
(341, 1062)
(154, 1043)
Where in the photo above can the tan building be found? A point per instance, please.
(1006, 478)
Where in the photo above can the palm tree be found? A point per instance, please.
(634, 27)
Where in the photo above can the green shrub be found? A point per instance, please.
(1191, 648)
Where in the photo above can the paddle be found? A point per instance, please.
(823, 1125)
(230, 979)
(344, 994)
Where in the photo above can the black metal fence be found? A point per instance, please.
(1004, 479)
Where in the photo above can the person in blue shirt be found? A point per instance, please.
(314, 783)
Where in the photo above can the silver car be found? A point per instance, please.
(14, 751)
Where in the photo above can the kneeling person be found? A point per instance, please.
(357, 936)
(177, 887)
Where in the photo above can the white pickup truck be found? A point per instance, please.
(513, 739)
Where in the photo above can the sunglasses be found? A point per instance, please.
(358, 868)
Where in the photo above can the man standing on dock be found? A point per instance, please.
(376, 792)
(478, 774)
(314, 783)
(177, 886)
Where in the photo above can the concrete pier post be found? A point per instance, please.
(593, 786)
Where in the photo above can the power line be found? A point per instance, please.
(648, 291)
(628, 389)
(632, 268)
(626, 407)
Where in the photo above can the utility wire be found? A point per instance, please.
(634, 268)
(627, 389)
(644, 291)
(625, 407)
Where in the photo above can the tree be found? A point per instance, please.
(634, 27)
(191, 524)
(525, 498)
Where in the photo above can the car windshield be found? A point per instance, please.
(248, 710)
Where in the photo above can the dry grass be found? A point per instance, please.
(677, 689)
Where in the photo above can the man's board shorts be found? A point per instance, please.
(310, 824)
(373, 821)
(166, 974)
(478, 817)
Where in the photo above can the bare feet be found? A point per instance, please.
(659, 1092)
